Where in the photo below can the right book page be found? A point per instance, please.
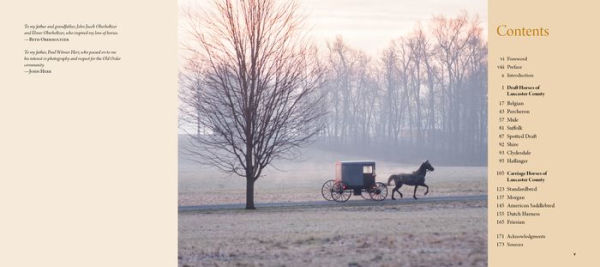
(543, 130)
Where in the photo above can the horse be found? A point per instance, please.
(417, 178)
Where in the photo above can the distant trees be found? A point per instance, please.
(426, 96)
(251, 86)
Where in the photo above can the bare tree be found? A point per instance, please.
(259, 99)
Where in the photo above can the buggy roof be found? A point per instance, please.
(357, 162)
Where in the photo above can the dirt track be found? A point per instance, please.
(322, 204)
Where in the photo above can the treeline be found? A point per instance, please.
(425, 96)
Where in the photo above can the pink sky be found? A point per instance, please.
(370, 25)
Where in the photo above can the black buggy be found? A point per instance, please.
(356, 177)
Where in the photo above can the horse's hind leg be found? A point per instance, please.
(415, 193)
(396, 190)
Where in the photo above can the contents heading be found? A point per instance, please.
(504, 30)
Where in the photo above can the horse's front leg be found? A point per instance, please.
(415, 193)
(427, 187)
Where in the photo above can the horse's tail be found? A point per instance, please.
(390, 179)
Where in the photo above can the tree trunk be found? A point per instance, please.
(250, 193)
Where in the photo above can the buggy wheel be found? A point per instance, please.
(366, 193)
(380, 192)
(340, 193)
(327, 189)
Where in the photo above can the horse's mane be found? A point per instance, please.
(420, 169)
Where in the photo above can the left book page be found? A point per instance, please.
(88, 110)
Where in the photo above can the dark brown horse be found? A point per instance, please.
(416, 178)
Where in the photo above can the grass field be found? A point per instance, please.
(430, 234)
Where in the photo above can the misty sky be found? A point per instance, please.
(369, 25)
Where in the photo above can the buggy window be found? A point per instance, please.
(367, 169)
